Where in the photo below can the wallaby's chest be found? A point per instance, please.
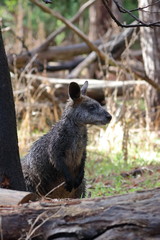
(75, 152)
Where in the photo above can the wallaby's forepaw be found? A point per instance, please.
(77, 182)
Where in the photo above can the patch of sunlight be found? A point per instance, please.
(150, 157)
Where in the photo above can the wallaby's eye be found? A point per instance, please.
(92, 107)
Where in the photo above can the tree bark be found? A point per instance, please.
(10, 168)
(130, 216)
(150, 43)
(99, 20)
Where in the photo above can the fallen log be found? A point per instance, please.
(52, 54)
(96, 89)
(64, 65)
(12, 197)
(115, 46)
(130, 216)
(93, 83)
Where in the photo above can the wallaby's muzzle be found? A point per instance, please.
(108, 117)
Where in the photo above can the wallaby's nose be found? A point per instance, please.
(108, 116)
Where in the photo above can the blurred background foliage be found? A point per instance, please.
(33, 16)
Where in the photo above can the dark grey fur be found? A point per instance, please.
(59, 156)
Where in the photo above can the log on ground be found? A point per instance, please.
(130, 216)
(13, 197)
(97, 88)
(115, 47)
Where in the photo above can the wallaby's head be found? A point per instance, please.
(83, 109)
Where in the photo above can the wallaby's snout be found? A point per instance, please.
(108, 117)
(102, 117)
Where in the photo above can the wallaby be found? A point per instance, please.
(59, 156)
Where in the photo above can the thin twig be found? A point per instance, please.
(34, 228)
(52, 190)
(135, 9)
(139, 22)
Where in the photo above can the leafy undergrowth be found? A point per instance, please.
(106, 176)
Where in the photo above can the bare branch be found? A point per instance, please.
(101, 55)
(139, 23)
(121, 9)
(50, 38)
(111, 46)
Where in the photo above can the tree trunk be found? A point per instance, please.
(99, 23)
(150, 43)
(10, 168)
(133, 216)
(99, 20)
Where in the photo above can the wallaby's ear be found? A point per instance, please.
(74, 90)
(84, 88)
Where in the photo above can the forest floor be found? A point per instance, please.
(109, 172)
(107, 176)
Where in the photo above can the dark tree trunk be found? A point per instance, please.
(150, 43)
(10, 168)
